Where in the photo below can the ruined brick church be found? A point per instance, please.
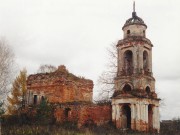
(134, 104)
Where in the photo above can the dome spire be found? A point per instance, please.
(134, 19)
(134, 8)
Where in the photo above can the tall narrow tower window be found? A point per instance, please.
(144, 33)
(128, 62)
(145, 61)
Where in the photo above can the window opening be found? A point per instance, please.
(145, 61)
(127, 88)
(148, 89)
(128, 62)
(35, 99)
(128, 32)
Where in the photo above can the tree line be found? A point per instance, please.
(13, 90)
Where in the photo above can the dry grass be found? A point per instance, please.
(58, 130)
(166, 129)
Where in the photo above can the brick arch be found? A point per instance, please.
(127, 83)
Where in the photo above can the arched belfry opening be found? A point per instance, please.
(126, 116)
(128, 62)
(148, 90)
(127, 88)
(145, 61)
(150, 117)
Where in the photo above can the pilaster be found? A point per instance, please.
(133, 116)
(113, 113)
(118, 122)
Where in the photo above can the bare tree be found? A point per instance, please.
(106, 79)
(6, 72)
(47, 68)
(6, 68)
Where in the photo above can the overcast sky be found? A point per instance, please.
(76, 33)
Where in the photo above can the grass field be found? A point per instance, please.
(172, 128)
(56, 130)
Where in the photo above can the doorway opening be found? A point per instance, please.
(126, 117)
(150, 117)
(67, 113)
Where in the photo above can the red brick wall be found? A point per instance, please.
(95, 114)
(99, 114)
(64, 93)
(60, 87)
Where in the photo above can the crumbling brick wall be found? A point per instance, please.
(85, 114)
(97, 114)
(59, 87)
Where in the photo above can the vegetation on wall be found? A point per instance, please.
(44, 113)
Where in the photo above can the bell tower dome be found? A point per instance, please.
(134, 26)
(135, 104)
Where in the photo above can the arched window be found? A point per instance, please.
(148, 90)
(128, 62)
(128, 32)
(127, 88)
(145, 61)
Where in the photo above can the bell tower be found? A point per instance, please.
(135, 104)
